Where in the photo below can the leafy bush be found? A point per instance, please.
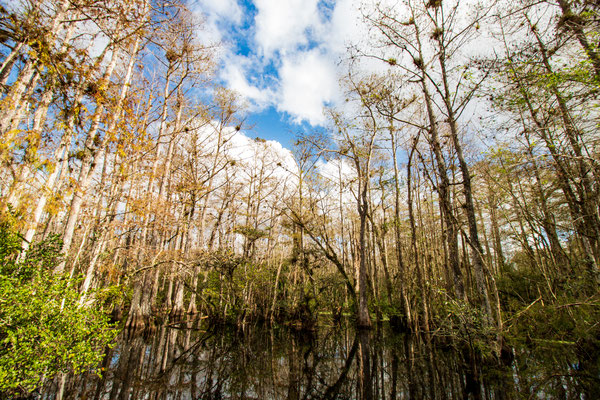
(43, 328)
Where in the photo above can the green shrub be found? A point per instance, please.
(43, 329)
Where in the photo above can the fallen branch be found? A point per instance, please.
(517, 315)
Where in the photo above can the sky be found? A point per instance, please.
(283, 57)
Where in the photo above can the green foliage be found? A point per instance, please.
(564, 309)
(251, 233)
(468, 324)
(43, 328)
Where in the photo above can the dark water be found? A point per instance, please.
(335, 362)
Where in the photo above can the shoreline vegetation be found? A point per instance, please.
(131, 199)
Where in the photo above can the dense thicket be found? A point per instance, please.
(456, 193)
(43, 328)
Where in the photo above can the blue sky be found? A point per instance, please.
(282, 56)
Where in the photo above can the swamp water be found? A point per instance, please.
(336, 362)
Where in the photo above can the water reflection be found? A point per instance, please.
(185, 362)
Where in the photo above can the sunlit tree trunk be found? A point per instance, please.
(88, 167)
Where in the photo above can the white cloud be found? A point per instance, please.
(338, 173)
(240, 147)
(294, 51)
(308, 81)
(217, 17)
(235, 73)
(345, 27)
(225, 9)
(332, 170)
(270, 154)
(283, 25)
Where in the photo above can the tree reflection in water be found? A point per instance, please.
(334, 363)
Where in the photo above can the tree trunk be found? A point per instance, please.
(89, 164)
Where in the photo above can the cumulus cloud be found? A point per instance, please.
(285, 54)
(236, 73)
(308, 75)
(283, 25)
(335, 169)
(308, 83)
(344, 27)
(257, 153)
